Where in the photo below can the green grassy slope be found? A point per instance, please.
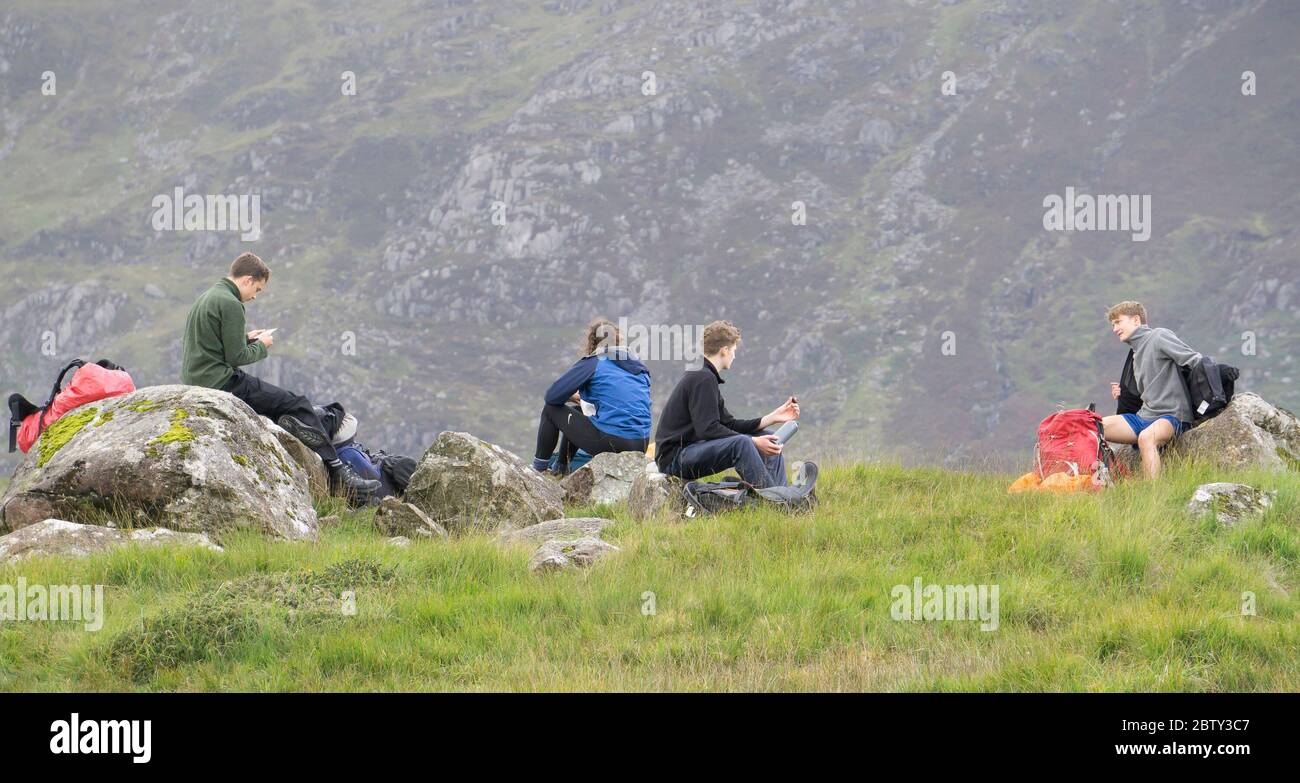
(1114, 592)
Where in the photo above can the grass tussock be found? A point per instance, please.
(1118, 591)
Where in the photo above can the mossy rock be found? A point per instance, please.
(179, 457)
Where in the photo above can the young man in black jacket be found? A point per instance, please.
(697, 436)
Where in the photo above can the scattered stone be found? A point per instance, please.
(333, 520)
(468, 484)
(569, 527)
(399, 541)
(653, 493)
(605, 478)
(69, 539)
(1249, 433)
(181, 457)
(559, 555)
(1229, 502)
(396, 518)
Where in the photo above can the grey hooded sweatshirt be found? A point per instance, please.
(1157, 355)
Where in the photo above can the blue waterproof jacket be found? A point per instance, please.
(617, 383)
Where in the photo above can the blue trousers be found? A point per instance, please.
(706, 457)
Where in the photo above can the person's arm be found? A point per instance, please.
(235, 346)
(567, 384)
(1176, 349)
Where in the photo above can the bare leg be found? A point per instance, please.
(1117, 430)
(1149, 443)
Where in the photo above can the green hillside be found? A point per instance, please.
(1121, 591)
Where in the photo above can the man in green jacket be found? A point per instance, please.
(216, 346)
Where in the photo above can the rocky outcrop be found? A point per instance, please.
(570, 527)
(318, 480)
(181, 457)
(653, 494)
(1249, 433)
(569, 555)
(68, 539)
(1230, 503)
(605, 478)
(467, 484)
(396, 518)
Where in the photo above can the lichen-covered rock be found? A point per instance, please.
(318, 480)
(181, 457)
(569, 527)
(1230, 503)
(654, 494)
(468, 484)
(605, 478)
(578, 553)
(69, 539)
(1249, 433)
(401, 542)
(396, 518)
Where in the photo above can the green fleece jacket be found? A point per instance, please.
(216, 340)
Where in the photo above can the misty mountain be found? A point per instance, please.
(859, 187)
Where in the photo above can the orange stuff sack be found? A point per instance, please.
(1064, 482)
(1025, 483)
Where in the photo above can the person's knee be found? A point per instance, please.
(1149, 440)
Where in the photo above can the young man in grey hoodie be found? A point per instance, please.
(1166, 405)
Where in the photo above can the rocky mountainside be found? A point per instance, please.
(505, 171)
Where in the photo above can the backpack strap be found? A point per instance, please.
(75, 364)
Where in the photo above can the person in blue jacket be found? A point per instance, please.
(613, 380)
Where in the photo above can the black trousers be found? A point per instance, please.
(579, 433)
(273, 402)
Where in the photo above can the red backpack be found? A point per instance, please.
(1073, 442)
(90, 382)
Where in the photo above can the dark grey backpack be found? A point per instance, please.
(705, 498)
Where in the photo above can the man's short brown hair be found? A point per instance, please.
(249, 265)
(719, 335)
(1127, 308)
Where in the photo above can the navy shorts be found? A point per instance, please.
(1138, 423)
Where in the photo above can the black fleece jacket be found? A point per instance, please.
(695, 411)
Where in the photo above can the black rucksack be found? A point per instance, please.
(705, 498)
(1209, 386)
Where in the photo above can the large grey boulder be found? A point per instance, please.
(567, 555)
(181, 457)
(1230, 503)
(467, 484)
(653, 495)
(69, 539)
(569, 527)
(396, 518)
(605, 478)
(1249, 433)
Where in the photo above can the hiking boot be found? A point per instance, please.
(344, 481)
(310, 438)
